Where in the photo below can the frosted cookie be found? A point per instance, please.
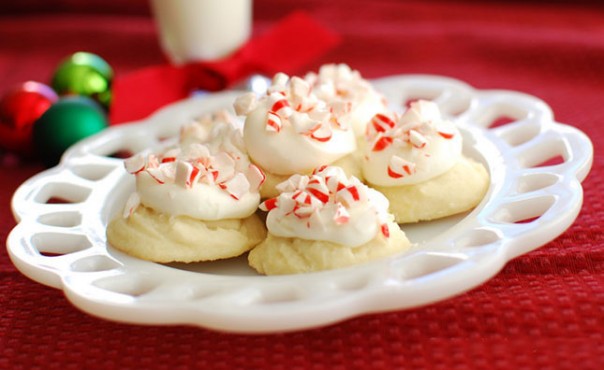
(416, 161)
(159, 237)
(195, 201)
(291, 131)
(325, 221)
(341, 85)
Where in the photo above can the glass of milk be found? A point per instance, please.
(202, 30)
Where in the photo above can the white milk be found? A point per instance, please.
(191, 30)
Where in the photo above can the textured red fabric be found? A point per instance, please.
(544, 310)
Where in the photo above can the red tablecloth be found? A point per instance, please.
(544, 310)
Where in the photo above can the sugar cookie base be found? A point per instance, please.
(157, 237)
(457, 190)
(277, 255)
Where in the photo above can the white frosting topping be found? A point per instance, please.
(412, 148)
(208, 176)
(327, 206)
(339, 83)
(290, 130)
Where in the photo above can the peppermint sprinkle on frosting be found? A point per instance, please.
(195, 164)
(409, 148)
(290, 101)
(345, 88)
(327, 205)
(290, 130)
(339, 81)
(189, 178)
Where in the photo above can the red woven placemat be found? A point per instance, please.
(545, 310)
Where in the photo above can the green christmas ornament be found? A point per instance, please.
(65, 123)
(84, 74)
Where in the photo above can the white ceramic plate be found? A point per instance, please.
(536, 166)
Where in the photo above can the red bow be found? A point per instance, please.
(287, 46)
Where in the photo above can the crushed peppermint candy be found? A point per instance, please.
(340, 84)
(196, 164)
(398, 167)
(326, 198)
(292, 102)
(338, 79)
(416, 128)
(132, 203)
(219, 130)
(210, 151)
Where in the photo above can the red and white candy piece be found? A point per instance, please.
(334, 184)
(135, 164)
(446, 132)
(304, 204)
(299, 88)
(348, 195)
(303, 124)
(152, 161)
(302, 210)
(186, 174)
(382, 143)
(306, 104)
(318, 189)
(255, 176)
(273, 122)
(132, 204)
(417, 140)
(293, 183)
(307, 198)
(280, 105)
(321, 132)
(287, 204)
(301, 197)
(320, 115)
(398, 167)
(245, 103)
(342, 216)
(224, 166)
(157, 174)
(382, 123)
(268, 205)
(280, 79)
(198, 153)
(168, 159)
(170, 153)
(385, 230)
(341, 108)
(320, 169)
(237, 186)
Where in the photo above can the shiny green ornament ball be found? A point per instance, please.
(84, 74)
(66, 122)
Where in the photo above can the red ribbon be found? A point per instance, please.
(286, 47)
